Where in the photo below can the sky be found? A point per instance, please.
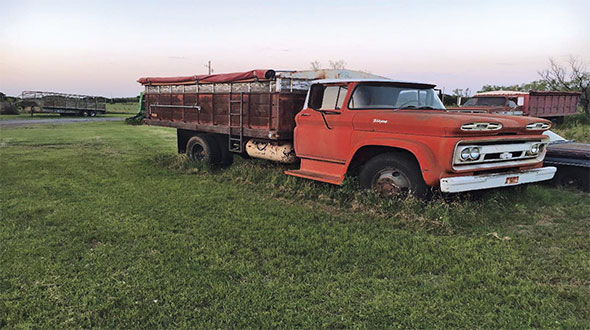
(103, 47)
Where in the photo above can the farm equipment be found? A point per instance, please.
(63, 104)
(544, 104)
(396, 136)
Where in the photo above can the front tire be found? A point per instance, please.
(393, 174)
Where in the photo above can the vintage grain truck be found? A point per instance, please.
(396, 136)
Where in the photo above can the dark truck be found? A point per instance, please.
(542, 104)
(396, 136)
(572, 160)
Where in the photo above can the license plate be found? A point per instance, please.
(511, 180)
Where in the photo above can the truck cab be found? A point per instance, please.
(398, 137)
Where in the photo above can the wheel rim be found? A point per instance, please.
(198, 152)
(391, 182)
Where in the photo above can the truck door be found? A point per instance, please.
(324, 128)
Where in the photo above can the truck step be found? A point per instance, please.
(315, 176)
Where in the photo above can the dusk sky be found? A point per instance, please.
(103, 47)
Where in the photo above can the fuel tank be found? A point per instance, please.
(278, 151)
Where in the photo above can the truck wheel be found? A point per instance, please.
(203, 148)
(393, 174)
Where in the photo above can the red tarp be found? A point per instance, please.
(214, 78)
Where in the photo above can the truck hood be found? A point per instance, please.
(439, 123)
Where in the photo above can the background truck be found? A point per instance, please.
(550, 105)
(63, 104)
(396, 136)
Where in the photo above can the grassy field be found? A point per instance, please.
(574, 128)
(126, 108)
(103, 225)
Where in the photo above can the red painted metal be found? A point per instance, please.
(429, 135)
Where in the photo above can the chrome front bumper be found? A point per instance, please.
(496, 180)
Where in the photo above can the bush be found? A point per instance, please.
(8, 108)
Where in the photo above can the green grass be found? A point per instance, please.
(575, 127)
(126, 108)
(103, 225)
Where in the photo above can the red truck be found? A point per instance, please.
(396, 136)
(543, 104)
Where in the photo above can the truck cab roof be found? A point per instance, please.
(372, 80)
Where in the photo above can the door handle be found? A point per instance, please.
(305, 114)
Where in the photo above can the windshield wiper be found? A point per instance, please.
(425, 107)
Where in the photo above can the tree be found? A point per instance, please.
(337, 65)
(316, 65)
(462, 92)
(537, 85)
(576, 78)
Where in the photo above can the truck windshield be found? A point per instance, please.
(485, 102)
(389, 96)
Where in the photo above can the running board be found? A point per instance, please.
(315, 176)
(318, 170)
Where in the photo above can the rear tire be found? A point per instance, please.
(203, 148)
(393, 174)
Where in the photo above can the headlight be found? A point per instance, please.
(465, 153)
(474, 153)
(534, 149)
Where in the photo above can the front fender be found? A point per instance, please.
(427, 160)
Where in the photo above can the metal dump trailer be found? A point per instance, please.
(544, 104)
(253, 104)
(552, 104)
(63, 104)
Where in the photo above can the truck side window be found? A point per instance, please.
(327, 97)
(333, 97)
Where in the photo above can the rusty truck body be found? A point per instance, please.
(544, 104)
(396, 136)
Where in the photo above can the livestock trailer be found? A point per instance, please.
(63, 104)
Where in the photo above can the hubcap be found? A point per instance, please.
(392, 182)
(198, 152)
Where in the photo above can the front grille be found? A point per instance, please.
(496, 156)
(496, 153)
